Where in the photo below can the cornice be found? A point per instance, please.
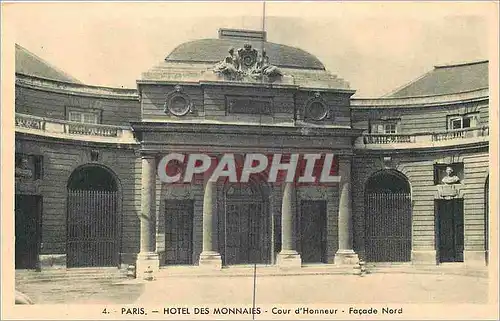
(75, 89)
(471, 146)
(422, 101)
(244, 129)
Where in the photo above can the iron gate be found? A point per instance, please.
(246, 233)
(92, 236)
(388, 227)
(313, 235)
(179, 231)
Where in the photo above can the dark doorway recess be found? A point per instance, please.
(313, 231)
(450, 230)
(92, 218)
(246, 225)
(388, 218)
(179, 232)
(28, 214)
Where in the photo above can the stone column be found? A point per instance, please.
(288, 257)
(210, 257)
(345, 254)
(147, 259)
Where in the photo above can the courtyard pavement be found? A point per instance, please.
(315, 289)
(394, 287)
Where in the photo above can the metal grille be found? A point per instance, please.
(92, 228)
(179, 232)
(247, 234)
(313, 231)
(388, 227)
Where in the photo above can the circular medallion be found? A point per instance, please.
(317, 111)
(178, 105)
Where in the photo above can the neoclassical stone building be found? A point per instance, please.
(413, 165)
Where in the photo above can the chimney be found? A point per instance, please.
(240, 34)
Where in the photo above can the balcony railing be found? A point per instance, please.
(427, 137)
(461, 133)
(91, 129)
(387, 138)
(31, 122)
(71, 129)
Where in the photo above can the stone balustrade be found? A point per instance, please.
(430, 139)
(72, 130)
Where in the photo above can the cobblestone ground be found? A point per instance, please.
(372, 288)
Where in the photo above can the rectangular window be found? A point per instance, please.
(390, 128)
(467, 122)
(90, 118)
(75, 116)
(80, 115)
(462, 121)
(384, 126)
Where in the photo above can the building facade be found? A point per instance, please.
(412, 166)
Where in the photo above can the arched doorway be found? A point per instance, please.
(486, 218)
(387, 218)
(246, 225)
(92, 218)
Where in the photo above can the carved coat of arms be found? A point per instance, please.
(246, 63)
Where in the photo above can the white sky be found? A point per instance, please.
(377, 47)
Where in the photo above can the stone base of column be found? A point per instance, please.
(52, 261)
(210, 260)
(146, 266)
(346, 257)
(475, 258)
(424, 257)
(289, 260)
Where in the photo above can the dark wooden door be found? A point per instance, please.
(179, 216)
(28, 213)
(450, 230)
(92, 238)
(313, 231)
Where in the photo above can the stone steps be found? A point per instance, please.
(320, 269)
(450, 269)
(70, 274)
(248, 271)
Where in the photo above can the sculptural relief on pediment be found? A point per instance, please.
(247, 64)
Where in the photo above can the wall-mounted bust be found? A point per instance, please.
(450, 177)
(23, 168)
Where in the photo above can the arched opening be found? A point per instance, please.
(388, 218)
(486, 218)
(246, 225)
(92, 218)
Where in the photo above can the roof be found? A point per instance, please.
(447, 79)
(194, 62)
(214, 50)
(175, 72)
(30, 64)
